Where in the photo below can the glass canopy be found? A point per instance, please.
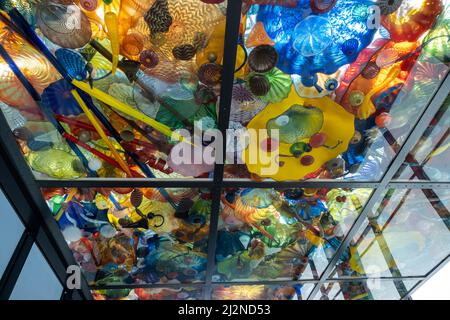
(406, 235)
(243, 149)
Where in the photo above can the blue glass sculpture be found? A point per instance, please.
(73, 62)
(58, 98)
(309, 42)
(312, 36)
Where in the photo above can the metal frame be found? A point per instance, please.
(438, 267)
(19, 186)
(229, 62)
(15, 265)
(250, 283)
(420, 127)
(23, 191)
(232, 183)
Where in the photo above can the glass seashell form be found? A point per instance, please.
(39, 72)
(158, 17)
(89, 5)
(184, 51)
(439, 46)
(58, 97)
(258, 198)
(297, 123)
(54, 163)
(258, 36)
(263, 58)
(210, 73)
(280, 86)
(62, 26)
(13, 116)
(322, 6)
(134, 98)
(312, 36)
(149, 58)
(259, 85)
(132, 44)
(244, 105)
(200, 41)
(389, 6)
(73, 62)
(178, 92)
(371, 70)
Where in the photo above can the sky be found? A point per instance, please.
(437, 288)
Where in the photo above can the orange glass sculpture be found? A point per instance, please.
(385, 74)
(130, 13)
(412, 19)
(37, 69)
(215, 47)
(258, 36)
(239, 293)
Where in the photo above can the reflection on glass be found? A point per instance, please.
(407, 235)
(132, 236)
(268, 234)
(158, 68)
(343, 89)
(372, 289)
(262, 292)
(428, 160)
(185, 293)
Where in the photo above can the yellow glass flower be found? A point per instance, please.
(278, 163)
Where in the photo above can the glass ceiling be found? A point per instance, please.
(330, 184)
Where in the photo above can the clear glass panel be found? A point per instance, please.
(11, 229)
(133, 236)
(268, 234)
(428, 160)
(372, 289)
(168, 78)
(331, 89)
(37, 280)
(407, 235)
(262, 292)
(185, 293)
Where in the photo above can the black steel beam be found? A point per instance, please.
(388, 257)
(247, 183)
(232, 183)
(125, 183)
(71, 295)
(418, 185)
(226, 90)
(22, 191)
(248, 283)
(402, 278)
(19, 179)
(15, 265)
(49, 251)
